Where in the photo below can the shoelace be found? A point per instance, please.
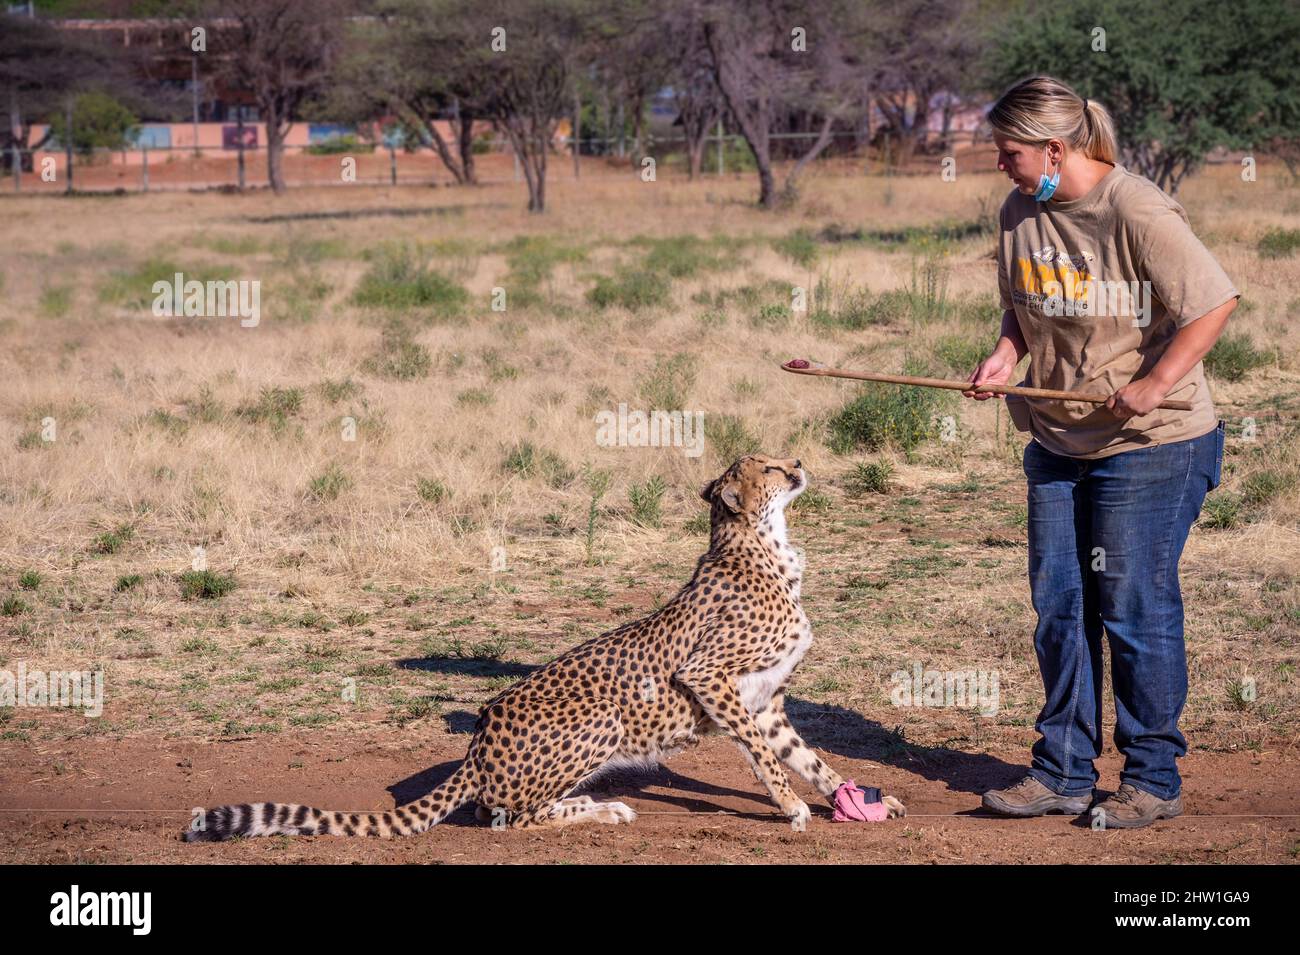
(1126, 795)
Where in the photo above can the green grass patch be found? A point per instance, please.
(883, 415)
(329, 485)
(1234, 356)
(730, 437)
(399, 356)
(667, 386)
(398, 278)
(205, 585)
(110, 542)
(528, 461)
(134, 288)
(631, 288)
(647, 502)
(800, 247)
(870, 477)
(274, 407)
(1279, 243)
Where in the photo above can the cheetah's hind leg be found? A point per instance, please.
(564, 744)
(576, 809)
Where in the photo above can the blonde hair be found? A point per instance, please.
(1040, 108)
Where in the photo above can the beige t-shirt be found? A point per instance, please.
(1100, 284)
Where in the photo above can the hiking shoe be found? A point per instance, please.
(1133, 808)
(1029, 797)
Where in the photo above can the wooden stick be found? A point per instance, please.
(1050, 394)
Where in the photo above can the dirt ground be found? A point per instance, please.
(127, 802)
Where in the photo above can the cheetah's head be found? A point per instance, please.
(755, 487)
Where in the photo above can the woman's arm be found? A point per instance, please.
(1189, 345)
(996, 369)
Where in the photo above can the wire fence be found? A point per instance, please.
(146, 168)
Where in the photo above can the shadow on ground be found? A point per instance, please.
(834, 730)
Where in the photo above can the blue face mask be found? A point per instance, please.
(1046, 187)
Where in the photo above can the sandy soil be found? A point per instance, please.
(127, 801)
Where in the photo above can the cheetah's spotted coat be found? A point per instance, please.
(718, 656)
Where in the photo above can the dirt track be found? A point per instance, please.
(705, 807)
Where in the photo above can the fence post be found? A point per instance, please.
(67, 146)
(144, 168)
(392, 164)
(239, 123)
(720, 170)
(577, 132)
(18, 166)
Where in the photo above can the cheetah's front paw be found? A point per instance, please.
(799, 814)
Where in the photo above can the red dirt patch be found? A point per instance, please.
(127, 801)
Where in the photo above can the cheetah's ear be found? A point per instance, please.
(730, 496)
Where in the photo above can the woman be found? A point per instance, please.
(1107, 290)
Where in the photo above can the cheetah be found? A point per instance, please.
(715, 658)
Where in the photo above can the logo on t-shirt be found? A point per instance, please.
(1057, 283)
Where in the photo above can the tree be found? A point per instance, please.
(784, 56)
(636, 59)
(919, 48)
(405, 62)
(282, 52)
(1221, 79)
(699, 101)
(98, 122)
(523, 55)
(41, 68)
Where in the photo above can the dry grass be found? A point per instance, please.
(371, 560)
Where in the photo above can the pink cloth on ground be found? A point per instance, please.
(851, 805)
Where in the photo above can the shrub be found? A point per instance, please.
(98, 122)
(800, 247)
(397, 279)
(205, 585)
(633, 289)
(110, 542)
(666, 386)
(730, 438)
(328, 486)
(880, 415)
(528, 461)
(647, 501)
(399, 357)
(274, 407)
(961, 355)
(1234, 355)
(431, 490)
(1278, 243)
(871, 477)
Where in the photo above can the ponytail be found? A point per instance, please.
(1040, 108)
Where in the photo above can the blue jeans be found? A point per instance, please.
(1105, 537)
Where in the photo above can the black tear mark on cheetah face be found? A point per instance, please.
(753, 487)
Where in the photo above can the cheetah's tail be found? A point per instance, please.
(291, 819)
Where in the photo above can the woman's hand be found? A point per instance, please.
(1137, 398)
(994, 370)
